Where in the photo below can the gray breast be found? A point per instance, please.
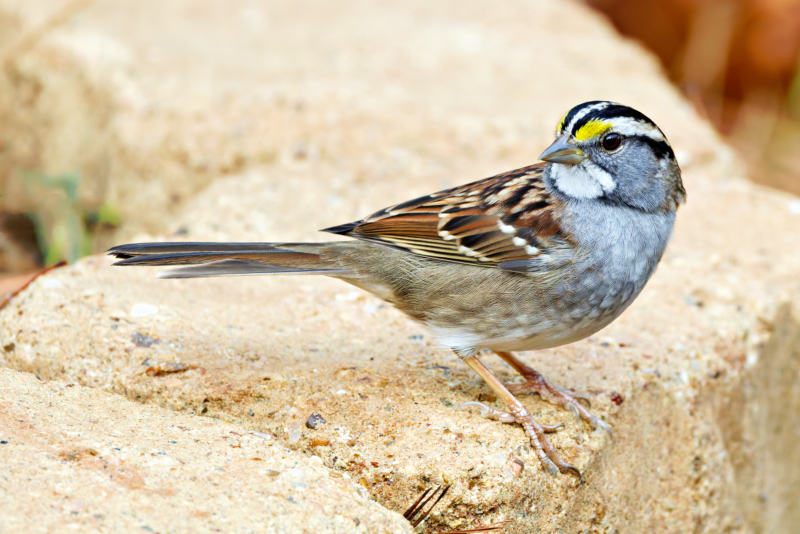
(618, 251)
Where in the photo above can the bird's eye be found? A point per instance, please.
(612, 141)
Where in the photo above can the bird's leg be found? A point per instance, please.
(551, 462)
(534, 381)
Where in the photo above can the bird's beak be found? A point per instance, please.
(562, 151)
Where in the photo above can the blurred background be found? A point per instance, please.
(736, 61)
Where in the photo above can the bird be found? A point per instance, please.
(529, 259)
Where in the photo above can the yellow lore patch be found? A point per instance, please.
(591, 129)
(561, 123)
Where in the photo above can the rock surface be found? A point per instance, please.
(76, 458)
(297, 116)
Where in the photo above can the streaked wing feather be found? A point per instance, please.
(501, 221)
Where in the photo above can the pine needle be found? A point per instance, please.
(417, 510)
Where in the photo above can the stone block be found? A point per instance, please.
(269, 121)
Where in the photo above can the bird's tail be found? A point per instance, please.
(229, 259)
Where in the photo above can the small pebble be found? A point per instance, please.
(516, 467)
(143, 340)
(165, 368)
(294, 433)
(315, 420)
(143, 310)
(609, 342)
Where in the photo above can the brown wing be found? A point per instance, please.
(502, 221)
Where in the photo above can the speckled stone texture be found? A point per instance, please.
(78, 459)
(331, 112)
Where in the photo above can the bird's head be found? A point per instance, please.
(608, 151)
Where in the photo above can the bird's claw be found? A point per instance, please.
(488, 412)
(580, 397)
(549, 429)
(602, 425)
(549, 466)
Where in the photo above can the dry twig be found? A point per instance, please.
(9, 297)
(426, 497)
(494, 527)
(423, 500)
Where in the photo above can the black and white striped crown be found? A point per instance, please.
(590, 120)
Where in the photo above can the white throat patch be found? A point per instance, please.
(584, 180)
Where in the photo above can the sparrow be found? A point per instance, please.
(529, 259)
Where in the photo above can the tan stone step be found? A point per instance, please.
(334, 112)
(75, 458)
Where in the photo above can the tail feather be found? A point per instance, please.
(284, 257)
(140, 249)
(238, 268)
(227, 259)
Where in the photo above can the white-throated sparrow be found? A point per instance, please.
(528, 259)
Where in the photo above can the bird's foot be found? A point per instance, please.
(550, 459)
(568, 399)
